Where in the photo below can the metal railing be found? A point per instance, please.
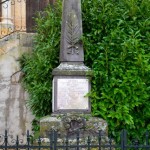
(3, 2)
(54, 142)
(18, 15)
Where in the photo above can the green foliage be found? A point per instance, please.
(38, 65)
(117, 47)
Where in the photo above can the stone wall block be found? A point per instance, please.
(4, 90)
(26, 39)
(14, 114)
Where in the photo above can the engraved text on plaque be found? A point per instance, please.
(71, 94)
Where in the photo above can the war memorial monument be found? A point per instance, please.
(72, 82)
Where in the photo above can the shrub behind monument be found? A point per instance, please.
(116, 43)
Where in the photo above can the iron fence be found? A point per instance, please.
(54, 142)
(18, 15)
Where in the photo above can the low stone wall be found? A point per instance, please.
(14, 114)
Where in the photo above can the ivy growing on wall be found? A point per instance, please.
(117, 48)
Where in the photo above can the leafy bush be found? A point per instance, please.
(117, 48)
(38, 65)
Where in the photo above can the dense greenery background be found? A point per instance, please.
(117, 48)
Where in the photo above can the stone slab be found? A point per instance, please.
(72, 69)
(69, 94)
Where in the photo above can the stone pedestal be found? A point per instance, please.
(71, 84)
(71, 123)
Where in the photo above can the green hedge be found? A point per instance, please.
(38, 65)
(117, 48)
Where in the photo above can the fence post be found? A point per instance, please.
(110, 143)
(99, 139)
(123, 140)
(88, 142)
(78, 138)
(147, 139)
(51, 142)
(55, 140)
(17, 142)
(39, 143)
(6, 139)
(67, 142)
(28, 139)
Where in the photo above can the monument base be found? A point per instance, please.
(71, 84)
(71, 123)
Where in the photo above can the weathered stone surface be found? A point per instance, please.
(72, 89)
(71, 32)
(70, 94)
(72, 69)
(26, 40)
(73, 124)
(70, 123)
(14, 114)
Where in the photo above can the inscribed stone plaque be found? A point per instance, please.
(71, 94)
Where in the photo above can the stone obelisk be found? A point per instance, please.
(71, 78)
(71, 45)
(71, 82)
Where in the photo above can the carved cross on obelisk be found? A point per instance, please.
(71, 45)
